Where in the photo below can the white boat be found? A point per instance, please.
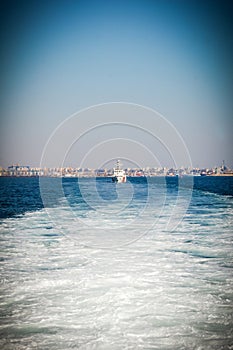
(118, 174)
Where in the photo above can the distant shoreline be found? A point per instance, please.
(18, 170)
(107, 177)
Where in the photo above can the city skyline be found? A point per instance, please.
(67, 171)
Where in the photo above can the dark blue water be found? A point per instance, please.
(19, 195)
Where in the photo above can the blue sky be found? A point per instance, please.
(61, 56)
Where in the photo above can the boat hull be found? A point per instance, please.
(119, 179)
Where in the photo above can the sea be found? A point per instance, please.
(90, 264)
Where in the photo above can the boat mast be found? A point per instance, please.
(118, 165)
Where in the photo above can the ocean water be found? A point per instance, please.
(90, 264)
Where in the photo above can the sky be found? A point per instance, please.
(60, 57)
